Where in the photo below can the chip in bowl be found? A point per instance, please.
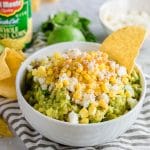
(124, 45)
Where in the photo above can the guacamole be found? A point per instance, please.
(81, 87)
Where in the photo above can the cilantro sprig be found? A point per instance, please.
(70, 19)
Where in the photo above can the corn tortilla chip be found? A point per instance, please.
(4, 130)
(4, 69)
(124, 45)
(13, 60)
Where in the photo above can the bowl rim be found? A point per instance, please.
(20, 96)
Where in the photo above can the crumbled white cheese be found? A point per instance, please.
(132, 102)
(119, 81)
(91, 66)
(113, 64)
(108, 85)
(101, 75)
(80, 65)
(63, 77)
(77, 101)
(41, 80)
(68, 96)
(99, 53)
(122, 71)
(84, 54)
(44, 59)
(64, 55)
(73, 118)
(29, 68)
(72, 83)
(35, 79)
(50, 87)
(105, 97)
(86, 103)
(115, 88)
(121, 19)
(130, 90)
(44, 86)
(73, 53)
(88, 98)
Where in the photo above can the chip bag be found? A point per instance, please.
(10, 61)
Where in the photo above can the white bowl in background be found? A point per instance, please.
(64, 132)
(116, 7)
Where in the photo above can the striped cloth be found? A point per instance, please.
(137, 137)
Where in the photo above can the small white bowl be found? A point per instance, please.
(64, 132)
(118, 6)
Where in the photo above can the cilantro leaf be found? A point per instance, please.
(68, 19)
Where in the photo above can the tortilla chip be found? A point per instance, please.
(12, 59)
(124, 45)
(4, 69)
(4, 130)
(7, 88)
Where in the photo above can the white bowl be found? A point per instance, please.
(64, 132)
(118, 6)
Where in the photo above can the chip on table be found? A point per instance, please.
(124, 45)
(4, 129)
(10, 61)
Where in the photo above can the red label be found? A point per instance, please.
(10, 7)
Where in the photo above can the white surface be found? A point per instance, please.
(83, 7)
(64, 132)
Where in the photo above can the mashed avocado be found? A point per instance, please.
(77, 96)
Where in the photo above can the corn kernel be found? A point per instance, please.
(65, 83)
(57, 55)
(79, 69)
(78, 87)
(93, 54)
(102, 66)
(121, 92)
(77, 95)
(50, 71)
(92, 110)
(125, 80)
(87, 90)
(88, 78)
(59, 85)
(68, 73)
(41, 109)
(63, 70)
(80, 78)
(97, 91)
(83, 113)
(112, 94)
(103, 104)
(128, 94)
(99, 116)
(34, 72)
(88, 57)
(112, 80)
(104, 88)
(41, 71)
(76, 74)
(84, 121)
